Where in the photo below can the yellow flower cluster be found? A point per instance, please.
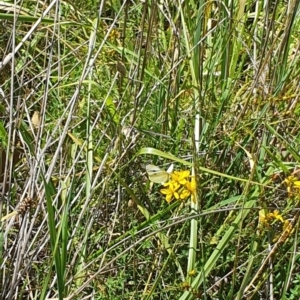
(180, 187)
(293, 185)
(268, 219)
(274, 216)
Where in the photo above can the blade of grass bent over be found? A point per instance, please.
(149, 150)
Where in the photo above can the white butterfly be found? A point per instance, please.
(157, 175)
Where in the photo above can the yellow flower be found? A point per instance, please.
(191, 185)
(189, 190)
(171, 190)
(180, 176)
(292, 182)
(184, 194)
(274, 215)
(277, 216)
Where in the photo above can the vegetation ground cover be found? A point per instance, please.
(92, 94)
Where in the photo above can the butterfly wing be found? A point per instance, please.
(156, 174)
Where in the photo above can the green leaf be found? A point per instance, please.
(112, 109)
(3, 136)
